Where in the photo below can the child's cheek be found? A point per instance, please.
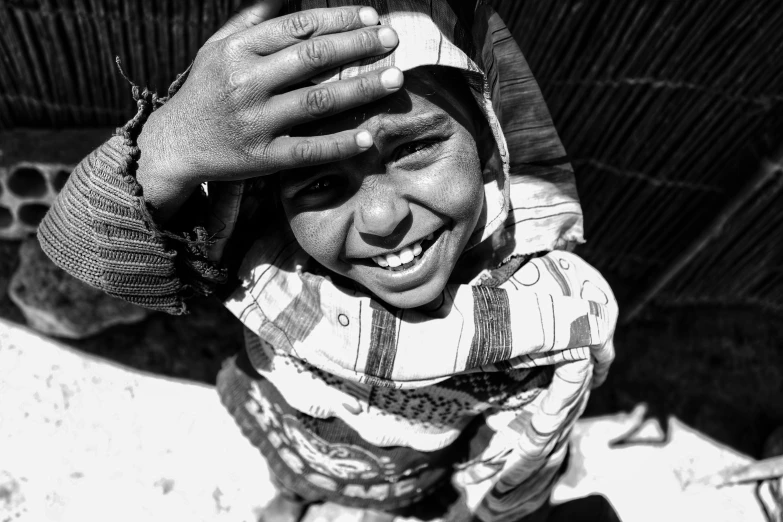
(319, 233)
(462, 183)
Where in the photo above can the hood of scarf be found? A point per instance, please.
(530, 206)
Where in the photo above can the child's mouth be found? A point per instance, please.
(406, 257)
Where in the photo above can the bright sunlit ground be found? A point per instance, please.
(83, 439)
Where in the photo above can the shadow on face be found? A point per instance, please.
(396, 218)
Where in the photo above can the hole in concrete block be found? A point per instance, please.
(59, 179)
(6, 218)
(27, 182)
(32, 213)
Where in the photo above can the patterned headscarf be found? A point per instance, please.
(531, 206)
(469, 37)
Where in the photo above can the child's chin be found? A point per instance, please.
(415, 297)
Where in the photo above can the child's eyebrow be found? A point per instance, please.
(391, 127)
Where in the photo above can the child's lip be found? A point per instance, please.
(415, 275)
(368, 258)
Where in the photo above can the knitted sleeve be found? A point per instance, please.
(100, 230)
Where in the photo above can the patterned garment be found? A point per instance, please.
(325, 459)
(389, 375)
(564, 331)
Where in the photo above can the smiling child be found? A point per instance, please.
(415, 322)
(397, 218)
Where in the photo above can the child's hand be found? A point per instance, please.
(231, 118)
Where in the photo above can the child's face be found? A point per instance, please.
(396, 218)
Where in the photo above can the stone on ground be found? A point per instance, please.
(57, 304)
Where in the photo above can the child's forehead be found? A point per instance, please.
(428, 98)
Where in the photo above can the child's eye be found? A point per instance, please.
(412, 148)
(320, 186)
(325, 187)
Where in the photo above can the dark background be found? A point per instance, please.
(671, 111)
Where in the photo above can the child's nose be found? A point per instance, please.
(380, 211)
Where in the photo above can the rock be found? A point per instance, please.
(55, 303)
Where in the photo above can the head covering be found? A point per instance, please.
(530, 206)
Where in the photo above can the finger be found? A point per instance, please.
(246, 16)
(304, 60)
(295, 152)
(285, 31)
(310, 103)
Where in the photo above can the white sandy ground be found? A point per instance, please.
(83, 439)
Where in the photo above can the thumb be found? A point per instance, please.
(247, 15)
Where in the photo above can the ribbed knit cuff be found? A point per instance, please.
(101, 231)
(194, 267)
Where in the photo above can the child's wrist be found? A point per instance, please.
(162, 176)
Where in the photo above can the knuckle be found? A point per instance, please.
(339, 149)
(233, 46)
(233, 92)
(307, 151)
(365, 87)
(316, 53)
(300, 25)
(319, 101)
(237, 80)
(344, 19)
(366, 40)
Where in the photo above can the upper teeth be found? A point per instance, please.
(403, 256)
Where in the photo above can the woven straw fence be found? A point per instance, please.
(666, 108)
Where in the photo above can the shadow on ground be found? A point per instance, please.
(719, 370)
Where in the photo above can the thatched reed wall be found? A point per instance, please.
(666, 108)
(57, 56)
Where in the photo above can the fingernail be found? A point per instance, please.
(391, 78)
(364, 139)
(387, 36)
(368, 16)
